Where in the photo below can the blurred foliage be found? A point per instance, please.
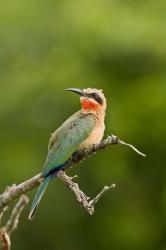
(119, 46)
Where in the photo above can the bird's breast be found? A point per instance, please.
(96, 134)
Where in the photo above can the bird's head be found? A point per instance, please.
(91, 99)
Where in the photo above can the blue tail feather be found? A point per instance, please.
(38, 196)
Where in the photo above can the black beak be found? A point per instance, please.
(77, 91)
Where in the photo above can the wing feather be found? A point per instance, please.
(67, 138)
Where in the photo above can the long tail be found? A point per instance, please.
(38, 196)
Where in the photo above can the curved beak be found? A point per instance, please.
(77, 91)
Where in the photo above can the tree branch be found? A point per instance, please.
(14, 218)
(13, 192)
(81, 197)
(11, 225)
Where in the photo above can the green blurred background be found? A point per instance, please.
(116, 45)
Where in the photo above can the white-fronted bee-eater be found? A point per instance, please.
(82, 129)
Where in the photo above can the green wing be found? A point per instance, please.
(66, 139)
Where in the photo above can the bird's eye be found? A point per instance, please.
(97, 98)
(94, 95)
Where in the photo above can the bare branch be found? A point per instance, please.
(103, 191)
(81, 197)
(12, 223)
(14, 218)
(131, 146)
(13, 192)
(2, 213)
(16, 190)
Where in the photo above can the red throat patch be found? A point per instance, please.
(89, 105)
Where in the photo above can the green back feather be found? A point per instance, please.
(67, 138)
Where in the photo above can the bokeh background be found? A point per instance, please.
(116, 45)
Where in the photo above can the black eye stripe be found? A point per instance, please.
(97, 98)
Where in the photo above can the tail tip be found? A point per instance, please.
(30, 217)
(31, 214)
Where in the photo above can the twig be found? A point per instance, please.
(2, 213)
(131, 146)
(103, 191)
(14, 218)
(81, 197)
(11, 225)
(15, 191)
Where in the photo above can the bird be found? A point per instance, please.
(79, 131)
